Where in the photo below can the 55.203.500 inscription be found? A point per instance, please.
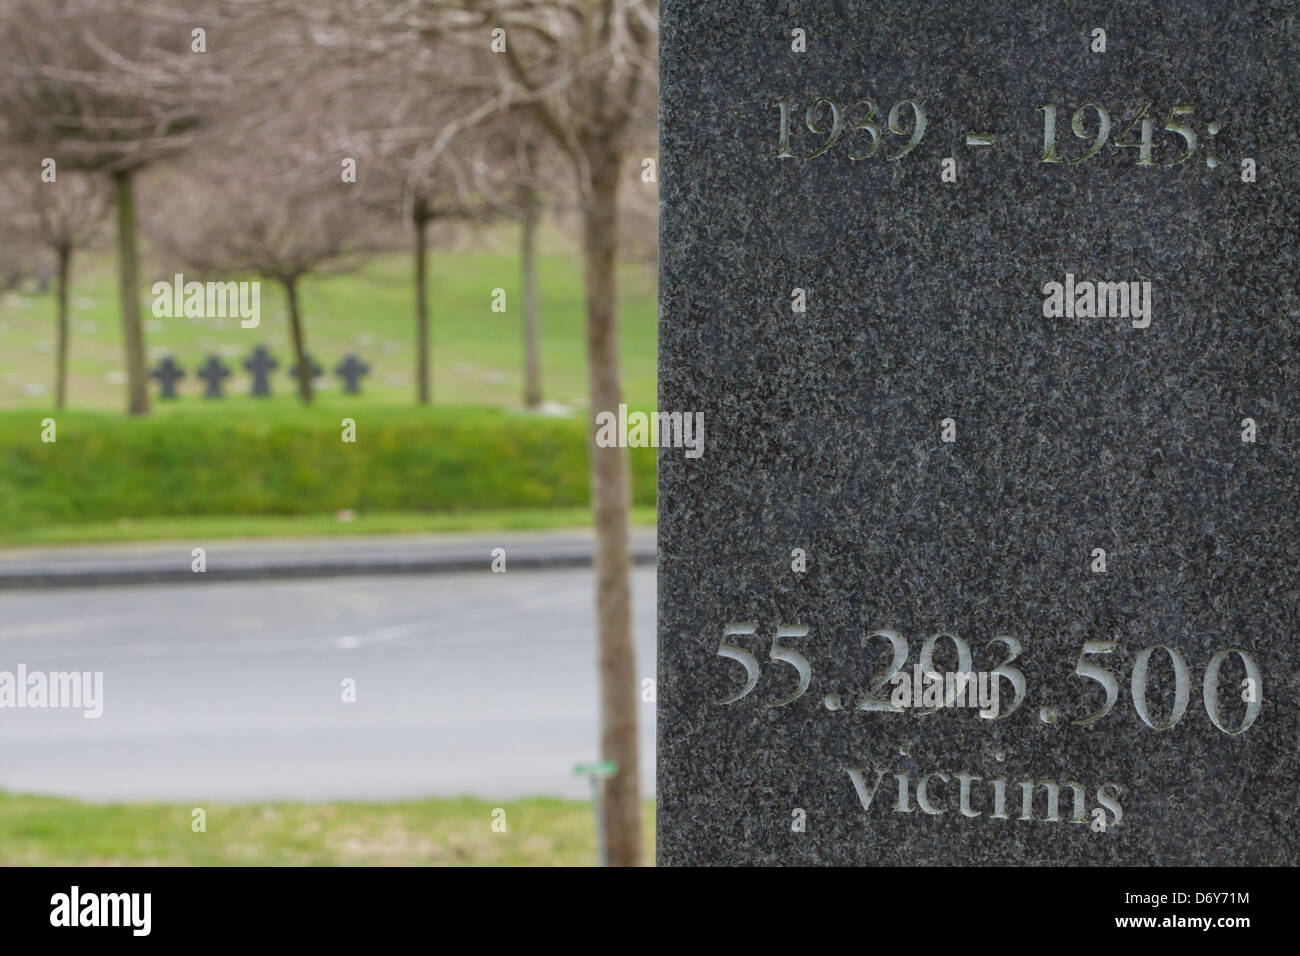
(874, 698)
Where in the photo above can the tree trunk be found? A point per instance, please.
(422, 377)
(299, 346)
(609, 498)
(531, 206)
(64, 254)
(128, 270)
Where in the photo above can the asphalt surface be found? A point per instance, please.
(466, 683)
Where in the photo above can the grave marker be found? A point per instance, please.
(213, 373)
(351, 369)
(167, 373)
(261, 364)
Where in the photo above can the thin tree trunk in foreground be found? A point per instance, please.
(299, 346)
(422, 375)
(609, 497)
(528, 257)
(128, 270)
(61, 296)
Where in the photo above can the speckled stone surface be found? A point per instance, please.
(925, 302)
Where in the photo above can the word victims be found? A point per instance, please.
(993, 800)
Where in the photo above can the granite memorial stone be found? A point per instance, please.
(991, 554)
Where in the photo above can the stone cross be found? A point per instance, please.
(213, 373)
(312, 365)
(261, 364)
(351, 370)
(168, 373)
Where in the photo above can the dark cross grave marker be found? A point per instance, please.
(261, 364)
(168, 373)
(213, 373)
(350, 370)
(312, 364)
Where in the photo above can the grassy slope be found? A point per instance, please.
(477, 354)
(256, 467)
(50, 831)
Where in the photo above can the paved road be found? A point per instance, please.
(473, 683)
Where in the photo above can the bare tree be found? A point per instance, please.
(425, 189)
(355, 81)
(106, 86)
(21, 260)
(584, 68)
(511, 175)
(283, 216)
(595, 57)
(530, 217)
(502, 174)
(62, 215)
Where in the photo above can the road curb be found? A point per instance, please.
(181, 573)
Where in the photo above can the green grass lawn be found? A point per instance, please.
(280, 460)
(477, 353)
(242, 466)
(52, 831)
